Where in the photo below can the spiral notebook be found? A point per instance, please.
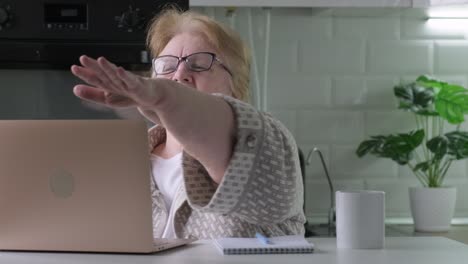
(295, 244)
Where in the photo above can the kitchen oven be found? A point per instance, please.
(50, 34)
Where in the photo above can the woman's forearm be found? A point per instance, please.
(202, 123)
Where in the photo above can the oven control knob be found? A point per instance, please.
(6, 17)
(131, 19)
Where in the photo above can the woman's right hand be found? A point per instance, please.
(112, 86)
(101, 88)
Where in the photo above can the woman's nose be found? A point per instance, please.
(183, 74)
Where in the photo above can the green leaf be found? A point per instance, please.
(431, 82)
(453, 143)
(396, 147)
(415, 98)
(427, 113)
(423, 166)
(452, 103)
(366, 147)
(438, 146)
(458, 144)
(422, 78)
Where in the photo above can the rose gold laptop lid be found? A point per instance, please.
(75, 185)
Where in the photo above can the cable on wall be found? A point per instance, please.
(266, 61)
(231, 14)
(258, 98)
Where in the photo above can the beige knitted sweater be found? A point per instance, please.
(261, 191)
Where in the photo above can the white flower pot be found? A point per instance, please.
(432, 208)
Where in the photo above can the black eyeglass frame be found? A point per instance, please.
(184, 59)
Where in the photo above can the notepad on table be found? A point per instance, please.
(278, 245)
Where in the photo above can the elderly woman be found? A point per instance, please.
(220, 167)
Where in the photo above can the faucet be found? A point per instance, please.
(331, 210)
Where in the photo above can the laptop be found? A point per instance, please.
(76, 185)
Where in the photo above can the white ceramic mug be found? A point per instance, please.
(360, 219)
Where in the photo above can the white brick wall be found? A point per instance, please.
(399, 56)
(330, 80)
(280, 94)
(451, 56)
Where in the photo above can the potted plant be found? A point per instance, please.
(429, 150)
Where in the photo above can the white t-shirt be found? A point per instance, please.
(167, 174)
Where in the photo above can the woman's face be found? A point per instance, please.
(215, 80)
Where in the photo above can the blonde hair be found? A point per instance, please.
(236, 54)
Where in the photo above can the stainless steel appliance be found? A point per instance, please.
(51, 34)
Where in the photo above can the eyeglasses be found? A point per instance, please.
(196, 62)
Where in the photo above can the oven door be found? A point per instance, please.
(53, 34)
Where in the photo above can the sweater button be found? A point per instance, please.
(251, 141)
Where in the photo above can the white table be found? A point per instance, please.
(398, 250)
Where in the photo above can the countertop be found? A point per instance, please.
(413, 250)
(456, 232)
